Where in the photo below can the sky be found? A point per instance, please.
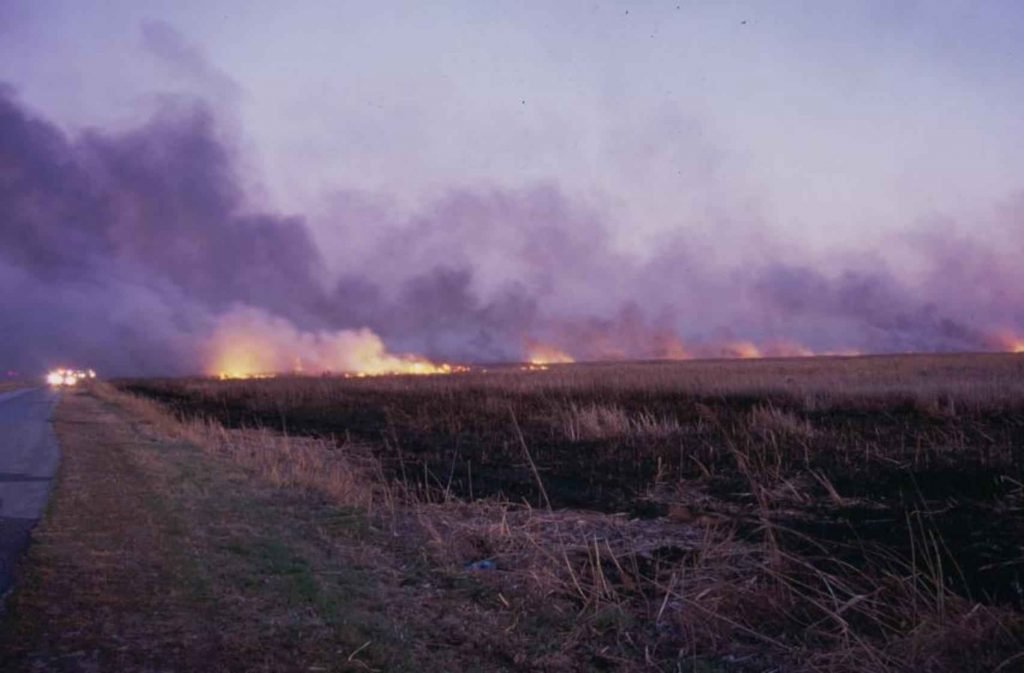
(467, 178)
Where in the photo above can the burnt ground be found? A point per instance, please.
(899, 476)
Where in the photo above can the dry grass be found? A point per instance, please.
(656, 594)
(767, 420)
(347, 474)
(973, 381)
(597, 421)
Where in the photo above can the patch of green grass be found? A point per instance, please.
(612, 618)
(274, 557)
(349, 522)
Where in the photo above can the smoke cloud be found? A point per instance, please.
(137, 252)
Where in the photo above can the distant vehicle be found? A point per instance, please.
(68, 377)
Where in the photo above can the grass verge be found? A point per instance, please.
(157, 555)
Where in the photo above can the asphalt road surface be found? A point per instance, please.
(28, 462)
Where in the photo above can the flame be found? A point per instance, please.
(1006, 341)
(740, 349)
(787, 349)
(1012, 343)
(662, 345)
(249, 343)
(671, 348)
(240, 355)
(538, 355)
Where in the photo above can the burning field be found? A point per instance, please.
(201, 279)
(797, 514)
(609, 350)
(247, 344)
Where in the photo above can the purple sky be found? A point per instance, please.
(467, 174)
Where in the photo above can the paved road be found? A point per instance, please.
(28, 462)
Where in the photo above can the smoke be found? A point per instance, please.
(136, 252)
(169, 47)
(121, 248)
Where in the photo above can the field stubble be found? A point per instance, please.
(845, 514)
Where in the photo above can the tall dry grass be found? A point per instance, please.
(609, 421)
(346, 474)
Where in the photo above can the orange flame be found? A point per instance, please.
(740, 349)
(539, 354)
(248, 343)
(1006, 341)
(788, 349)
(671, 349)
(1015, 344)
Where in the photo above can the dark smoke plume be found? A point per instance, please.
(123, 250)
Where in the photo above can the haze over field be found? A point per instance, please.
(470, 182)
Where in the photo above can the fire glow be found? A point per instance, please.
(744, 350)
(250, 344)
(541, 355)
(1006, 341)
